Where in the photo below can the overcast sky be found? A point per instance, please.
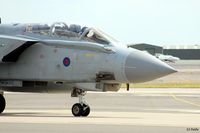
(159, 22)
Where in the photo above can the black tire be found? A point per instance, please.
(77, 109)
(2, 103)
(86, 110)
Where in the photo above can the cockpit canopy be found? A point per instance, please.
(71, 32)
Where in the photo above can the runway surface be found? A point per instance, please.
(140, 110)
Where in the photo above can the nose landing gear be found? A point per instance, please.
(81, 108)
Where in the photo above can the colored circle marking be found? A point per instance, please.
(66, 61)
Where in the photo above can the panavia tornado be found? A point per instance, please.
(61, 58)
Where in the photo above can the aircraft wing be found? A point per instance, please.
(78, 45)
(11, 47)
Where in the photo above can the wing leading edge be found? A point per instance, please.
(11, 47)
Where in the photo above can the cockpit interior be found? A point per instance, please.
(71, 32)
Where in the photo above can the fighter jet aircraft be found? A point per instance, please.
(63, 58)
(167, 58)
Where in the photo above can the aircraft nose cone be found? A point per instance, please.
(142, 67)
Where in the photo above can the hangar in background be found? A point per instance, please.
(152, 49)
(183, 51)
(187, 52)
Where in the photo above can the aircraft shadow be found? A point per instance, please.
(31, 114)
(43, 115)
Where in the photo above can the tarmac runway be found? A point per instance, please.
(140, 110)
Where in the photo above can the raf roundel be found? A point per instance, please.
(66, 61)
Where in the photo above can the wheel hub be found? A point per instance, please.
(76, 110)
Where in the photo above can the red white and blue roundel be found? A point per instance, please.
(66, 61)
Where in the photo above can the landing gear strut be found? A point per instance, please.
(2, 103)
(81, 108)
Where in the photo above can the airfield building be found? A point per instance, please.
(186, 52)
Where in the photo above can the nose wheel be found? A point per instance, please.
(81, 108)
(2, 103)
